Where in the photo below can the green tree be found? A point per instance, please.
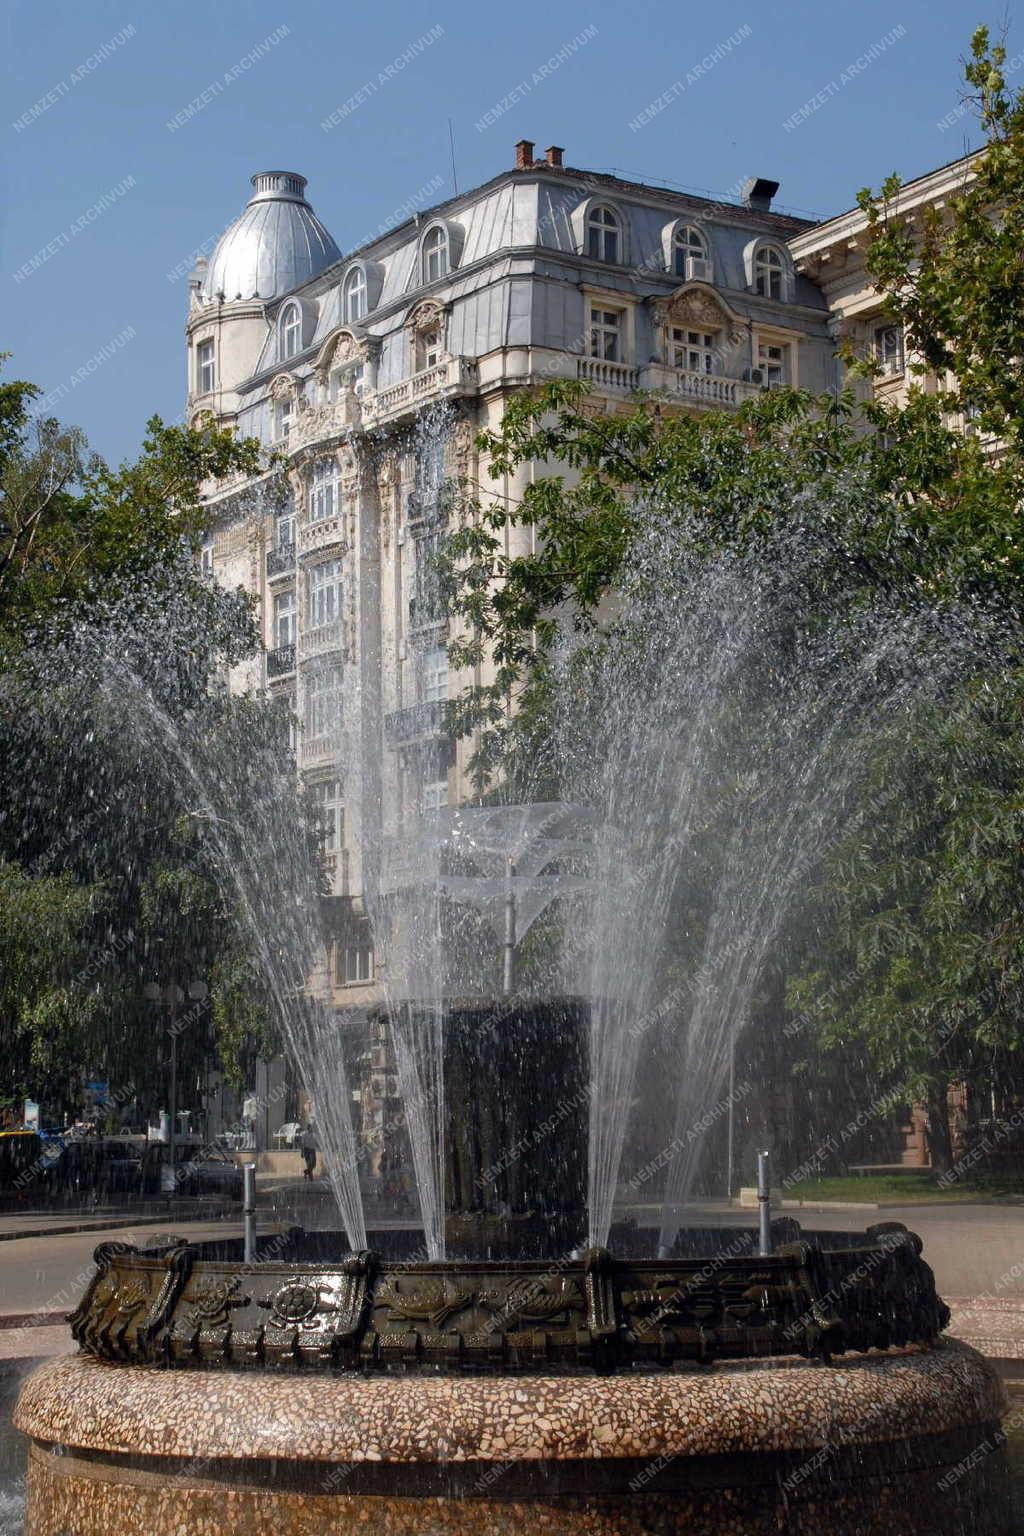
(953, 276)
(129, 771)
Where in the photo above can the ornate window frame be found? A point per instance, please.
(345, 353)
(423, 320)
(698, 307)
(287, 396)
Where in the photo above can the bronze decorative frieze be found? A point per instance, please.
(198, 1305)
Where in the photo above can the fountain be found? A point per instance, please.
(545, 1362)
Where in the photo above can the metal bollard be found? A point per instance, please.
(764, 1205)
(249, 1210)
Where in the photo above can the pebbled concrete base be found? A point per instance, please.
(904, 1442)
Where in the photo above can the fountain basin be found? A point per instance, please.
(198, 1305)
(906, 1441)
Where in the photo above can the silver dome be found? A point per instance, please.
(276, 244)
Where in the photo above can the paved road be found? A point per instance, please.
(973, 1249)
(48, 1274)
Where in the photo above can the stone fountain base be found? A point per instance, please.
(902, 1442)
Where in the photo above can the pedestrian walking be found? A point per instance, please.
(307, 1141)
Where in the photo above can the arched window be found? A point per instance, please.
(687, 244)
(291, 331)
(355, 296)
(603, 234)
(769, 272)
(435, 254)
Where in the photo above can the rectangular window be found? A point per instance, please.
(605, 334)
(354, 964)
(206, 372)
(434, 797)
(284, 527)
(434, 675)
(323, 594)
(283, 412)
(284, 619)
(206, 555)
(428, 603)
(693, 350)
(323, 702)
(323, 490)
(773, 361)
(331, 814)
(428, 350)
(889, 349)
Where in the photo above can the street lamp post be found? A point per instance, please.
(171, 997)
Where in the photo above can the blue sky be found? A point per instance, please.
(109, 186)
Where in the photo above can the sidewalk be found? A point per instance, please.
(15, 1224)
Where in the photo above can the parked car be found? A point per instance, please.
(22, 1164)
(214, 1173)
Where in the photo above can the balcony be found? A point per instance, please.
(452, 376)
(321, 534)
(712, 390)
(316, 751)
(415, 723)
(280, 660)
(606, 374)
(325, 637)
(281, 562)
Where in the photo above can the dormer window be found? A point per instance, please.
(206, 369)
(291, 331)
(769, 272)
(354, 296)
(435, 254)
(690, 254)
(604, 236)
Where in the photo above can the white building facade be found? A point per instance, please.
(330, 360)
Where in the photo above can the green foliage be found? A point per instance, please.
(953, 276)
(917, 501)
(112, 642)
(72, 529)
(908, 950)
(50, 1017)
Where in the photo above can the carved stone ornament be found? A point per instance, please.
(428, 316)
(462, 444)
(698, 307)
(285, 387)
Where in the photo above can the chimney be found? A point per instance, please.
(758, 193)
(553, 154)
(524, 154)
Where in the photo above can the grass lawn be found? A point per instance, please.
(919, 1184)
